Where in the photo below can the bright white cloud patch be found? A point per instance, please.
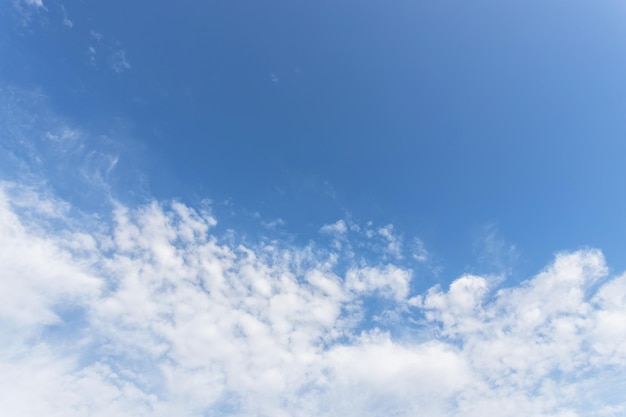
(339, 227)
(153, 314)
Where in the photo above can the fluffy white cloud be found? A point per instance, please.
(154, 314)
(38, 273)
(339, 227)
(390, 281)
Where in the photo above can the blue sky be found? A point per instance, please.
(397, 183)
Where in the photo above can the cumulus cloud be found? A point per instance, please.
(31, 290)
(148, 310)
(154, 314)
(393, 241)
(339, 227)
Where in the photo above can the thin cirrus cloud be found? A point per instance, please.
(119, 63)
(115, 57)
(34, 3)
(66, 20)
(147, 310)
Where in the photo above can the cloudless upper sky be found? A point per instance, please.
(441, 117)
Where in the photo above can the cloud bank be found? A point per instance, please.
(147, 311)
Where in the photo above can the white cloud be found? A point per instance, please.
(28, 11)
(157, 316)
(381, 242)
(66, 20)
(91, 54)
(149, 311)
(273, 224)
(376, 376)
(96, 35)
(394, 242)
(118, 61)
(38, 275)
(391, 281)
(458, 310)
(339, 227)
(41, 148)
(420, 254)
(34, 3)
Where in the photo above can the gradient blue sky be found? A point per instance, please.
(439, 117)
(445, 137)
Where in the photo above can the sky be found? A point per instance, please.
(288, 208)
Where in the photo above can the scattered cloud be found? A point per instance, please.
(148, 310)
(40, 147)
(91, 54)
(119, 63)
(96, 35)
(382, 242)
(419, 252)
(114, 56)
(66, 20)
(28, 11)
(154, 314)
(394, 242)
(339, 227)
(274, 78)
(273, 224)
(34, 3)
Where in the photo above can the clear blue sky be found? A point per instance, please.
(439, 117)
(490, 134)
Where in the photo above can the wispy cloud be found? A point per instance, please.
(419, 252)
(27, 11)
(119, 63)
(39, 147)
(96, 35)
(33, 3)
(66, 20)
(273, 224)
(493, 252)
(379, 241)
